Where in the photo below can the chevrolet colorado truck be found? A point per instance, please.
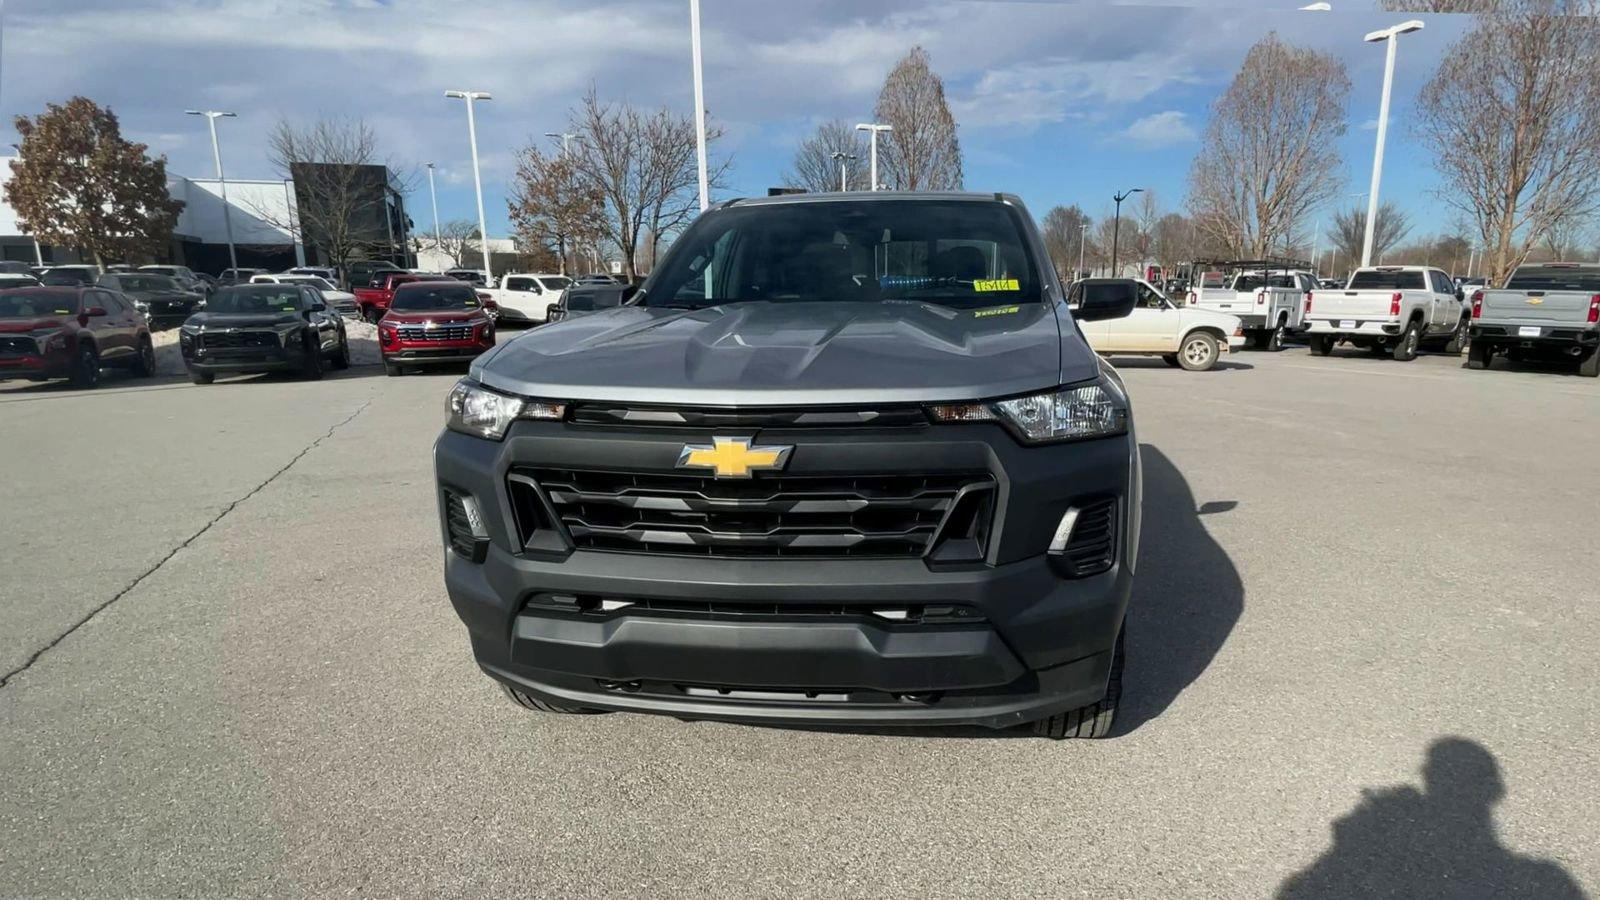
(1389, 309)
(842, 459)
(264, 328)
(1546, 311)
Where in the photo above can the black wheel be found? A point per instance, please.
(1378, 348)
(201, 377)
(341, 359)
(1405, 349)
(86, 368)
(1094, 720)
(1198, 352)
(1589, 366)
(1274, 341)
(1256, 340)
(371, 314)
(1170, 359)
(311, 367)
(1321, 344)
(1480, 355)
(528, 701)
(392, 370)
(1458, 339)
(145, 365)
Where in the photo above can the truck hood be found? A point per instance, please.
(442, 317)
(244, 320)
(790, 353)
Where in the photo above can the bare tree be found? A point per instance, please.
(922, 153)
(1173, 241)
(1438, 6)
(1063, 228)
(458, 239)
(1270, 152)
(1104, 234)
(341, 185)
(643, 166)
(814, 167)
(1145, 214)
(552, 206)
(1350, 231)
(1516, 135)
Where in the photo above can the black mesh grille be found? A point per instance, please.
(1093, 545)
(224, 340)
(450, 333)
(789, 515)
(18, 346)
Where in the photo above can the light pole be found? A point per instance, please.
(843, 159)
(1116, 225)
(566, 138)
(873, 130)
(222, 182)
(1083, 238)
(438, 241)
(699, 104)
(477, 178)
(1391, 35)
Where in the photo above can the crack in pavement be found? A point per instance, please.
(28, 664)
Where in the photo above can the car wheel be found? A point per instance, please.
(1199, 352)
(1589, 367)
(201, 377)
(371, 314)
(341, 359)
(1170, 359)
(1405, 349)
(528, 701)
(312, 366)
(1094, 720)
(86, 368)
(1480, 355)
(1458, 339)
(392, 370)
(1321, 344)
(145, 366)
(1274, 341)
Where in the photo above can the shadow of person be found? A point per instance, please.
(1187, 594)
(1436, 842)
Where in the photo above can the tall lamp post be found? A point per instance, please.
(843, 159)
(699, 104)
(438, 240)
(1116, 225)
(1390, 35)
(1083, 238)
(873, 130)
(565, 137)
(212, 116)
(477, 178)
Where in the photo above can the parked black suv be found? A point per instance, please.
(842, 459)
(264, 328)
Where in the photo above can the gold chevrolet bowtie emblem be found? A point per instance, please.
(732, 457)
(1535, 301)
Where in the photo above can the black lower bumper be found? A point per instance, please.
(1033, 642)
(1551, 338)
(432, 355)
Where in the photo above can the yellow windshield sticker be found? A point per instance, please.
(470, 303)
(63, 312)
(286, 309)
(995, 311)
(997, 284)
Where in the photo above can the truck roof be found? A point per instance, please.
(856, 196)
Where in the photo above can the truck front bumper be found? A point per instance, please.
(822, 640)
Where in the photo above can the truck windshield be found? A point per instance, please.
(1386, 280)
(951, 252)
(1257, 282)
(1554, 278)
(436, 296)
(256, 298)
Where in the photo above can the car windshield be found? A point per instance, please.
(159, 270)
(36, 304)
(256, 298)
(66, 277)
(950, 252)
(1386, 280)
(556, 283)
(1554, 278)
(434, 296)
(146, 283)
(312, 280)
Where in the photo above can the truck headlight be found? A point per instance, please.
(474, 409)
(1073, 413)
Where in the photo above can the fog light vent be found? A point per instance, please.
(1086, 539)
(469, 538)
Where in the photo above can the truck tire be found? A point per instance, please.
(1480, 355)
(145, 365)
(1170, 359)
(1589, 367)
(1094, 720)
(311, 368)
(201, 377)
(86, 367)
(1458, 338)
(1321, 344)
(341, 357)
(530, 702)
(371, 314)
(1198, 351)
(1274, 340)
(1405, 349)
(392, 370)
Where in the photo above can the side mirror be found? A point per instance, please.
(1102, 305)
(93, 312)
(319, 307)
(1461, 295)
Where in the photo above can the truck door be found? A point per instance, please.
(1446, 311)
(1152, 327)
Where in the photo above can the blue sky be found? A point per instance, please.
(1060, 102)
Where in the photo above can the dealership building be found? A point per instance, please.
(265, 217)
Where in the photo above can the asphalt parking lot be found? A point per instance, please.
(1362, 662)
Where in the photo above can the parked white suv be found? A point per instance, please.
(1183, 336)
(1389, 309)
(528, 298)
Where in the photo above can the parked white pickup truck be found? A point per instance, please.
(1546, 311)
(1183, 336)
(1389, 309)
(1268, 296)
(527, 298)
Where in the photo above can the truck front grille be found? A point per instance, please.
(18, 346)
(450, 333)
(788, 515)
(228, 340)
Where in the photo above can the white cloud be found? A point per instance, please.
(1162, 129)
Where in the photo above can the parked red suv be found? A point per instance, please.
(433, 323)
(71, 332)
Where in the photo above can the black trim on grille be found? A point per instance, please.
(596, 605)
(226, 340)
(748, 417)
(438, 333)
(890, 515)
(1092, 548)
(18, 346)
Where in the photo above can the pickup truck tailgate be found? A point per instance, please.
(1566, 307)
(1373, 304)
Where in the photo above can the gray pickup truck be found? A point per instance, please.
(1547, 311)
(843, 458)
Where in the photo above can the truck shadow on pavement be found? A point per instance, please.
(1150, 362)
(1187, 594)
(1439, 841)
